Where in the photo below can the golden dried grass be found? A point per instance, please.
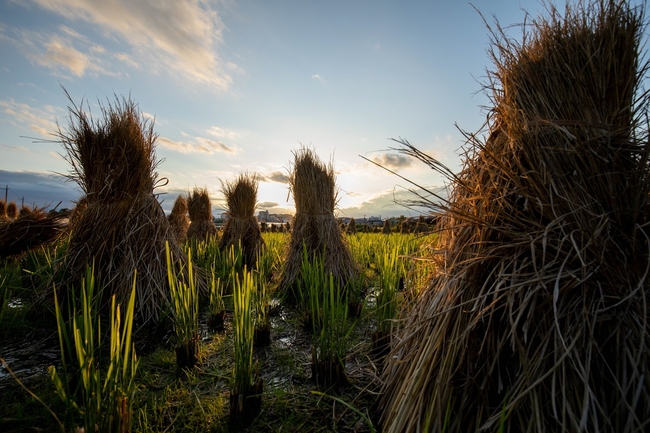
(30, 231)
(242, 228)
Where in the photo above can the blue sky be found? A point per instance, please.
(238, 85)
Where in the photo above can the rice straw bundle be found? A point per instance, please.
(312, 184)
(386, 228)
(3, 211)
(28, 232)
(539, 317)
(12, 210)
(178, 219)
(122, 226)
(24, 211)
(421, 225)
(200, 210)
(352, 227)
(242, 227)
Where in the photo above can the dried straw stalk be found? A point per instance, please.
(12, 210)
(313, 186)
(539, 314)
(122, 226)
(178, 219)
(3, 211)
(242, 227)
(200, 210)
(352, 227)
(28, 232)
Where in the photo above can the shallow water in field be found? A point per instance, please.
(28, 358)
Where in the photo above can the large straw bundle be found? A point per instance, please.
(242, 227)
(539, 318)
(122, 227)
(28, 232)
(178, 219)
(314, 225)
(200, 210)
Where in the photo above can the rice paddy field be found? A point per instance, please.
(523, 308)
(197, 398)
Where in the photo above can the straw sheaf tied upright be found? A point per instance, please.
(12, 210)
(313, 186)
(3, 211)
(242, 227)
(122, 226)
(178, 219)
(200, 210)
(540, 319)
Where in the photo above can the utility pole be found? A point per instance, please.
(22, 202)
(6, 192)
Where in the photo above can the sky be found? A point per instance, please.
(238, 86)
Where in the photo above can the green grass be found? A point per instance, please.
(185, 307)
(103, 399)
(199, 400)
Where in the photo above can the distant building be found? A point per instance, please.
(375, 221)
(263, 215)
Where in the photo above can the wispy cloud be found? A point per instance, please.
(178, 35)
(202, 145)
(59, 54)
(40, 120)
(63, 52)
(317, 77)
(393, 161)
(223, 133)
(267, 205)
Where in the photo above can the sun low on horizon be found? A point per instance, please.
(239, 86)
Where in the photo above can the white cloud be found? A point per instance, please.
(40, 120)
(318, 77)
(217, 146)
(59, 54)
(180, 35)
(64, 52)
(203, 145)
(127, 60)
(223, 133)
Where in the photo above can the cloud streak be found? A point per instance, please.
(178, 35)
(202, 145)
(276, 176)
(40, 120)
(393, 161)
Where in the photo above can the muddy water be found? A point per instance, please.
(29, 358)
